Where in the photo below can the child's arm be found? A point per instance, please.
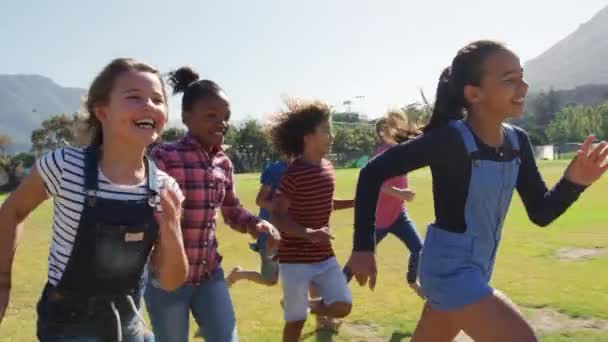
(169, 260)
(402, 194)
(239, 219)
(30, 193)
(262, 199)
(235, 216)
(544, 205)
(285, 224)
(427, 149)
(343, 204)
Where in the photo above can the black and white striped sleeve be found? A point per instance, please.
(50, 168)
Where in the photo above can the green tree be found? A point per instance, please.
(253, 145)
(173, 134)
(541, 109)
(230, 137)
(11, 166)
(418, 114)
(346, 117)
(575, 123)
(5, 142)
(55, 132)
(352, 141)
(26, 159)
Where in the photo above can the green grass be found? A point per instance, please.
(526, 268)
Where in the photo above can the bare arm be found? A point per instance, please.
(402, 194)
(262, 199)
(169, 260)
(285, 224)
(281, 219)
(30, 193)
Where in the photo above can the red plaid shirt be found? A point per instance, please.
(206, 180)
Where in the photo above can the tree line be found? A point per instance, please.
(548, 120)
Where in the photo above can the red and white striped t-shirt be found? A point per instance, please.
(310, 191)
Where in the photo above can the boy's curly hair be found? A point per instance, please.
(292, 125)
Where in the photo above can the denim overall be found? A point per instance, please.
(96, 297)
(455, 268)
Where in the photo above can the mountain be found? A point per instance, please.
(579, 59)
(27, 100)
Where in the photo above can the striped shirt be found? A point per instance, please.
(62, 172)
(207, 182)
(309, 189)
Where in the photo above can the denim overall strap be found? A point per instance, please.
(152, 181)
(91, 185)
(466, 135)
(455, 268)
(512, 136)
(490, 192)
(91, 173)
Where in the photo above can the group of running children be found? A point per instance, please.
(136, 219)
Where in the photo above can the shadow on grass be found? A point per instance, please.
(399, 336)
(319, 335)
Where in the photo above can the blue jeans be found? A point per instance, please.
(209, 302)
(405, 230)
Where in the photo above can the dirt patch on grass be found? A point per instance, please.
(543, 320)
(547, 320)
(574, 254)
(361, 331)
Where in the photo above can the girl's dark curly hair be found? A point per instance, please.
(291, 126)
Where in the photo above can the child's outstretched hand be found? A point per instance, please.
(589, 164)
(408, 195)
(266, 227)
(272, 245)
(169, 216)
(319, 235)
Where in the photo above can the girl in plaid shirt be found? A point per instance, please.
(205, 174)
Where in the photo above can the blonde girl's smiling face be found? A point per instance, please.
(136, 112)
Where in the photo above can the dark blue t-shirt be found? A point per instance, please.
(271, 177)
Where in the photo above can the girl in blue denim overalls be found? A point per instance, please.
(477, 162)
(113, 210)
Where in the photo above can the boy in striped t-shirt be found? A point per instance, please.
(303, 206)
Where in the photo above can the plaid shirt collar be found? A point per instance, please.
(190, 141)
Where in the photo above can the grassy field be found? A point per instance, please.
(527, 270)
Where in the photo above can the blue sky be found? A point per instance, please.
(260, 50)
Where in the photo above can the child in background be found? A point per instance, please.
(391, 213)
(269, 272)
(301, 212)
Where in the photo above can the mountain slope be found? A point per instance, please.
(580, 58)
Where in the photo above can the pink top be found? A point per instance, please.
(389, 207)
